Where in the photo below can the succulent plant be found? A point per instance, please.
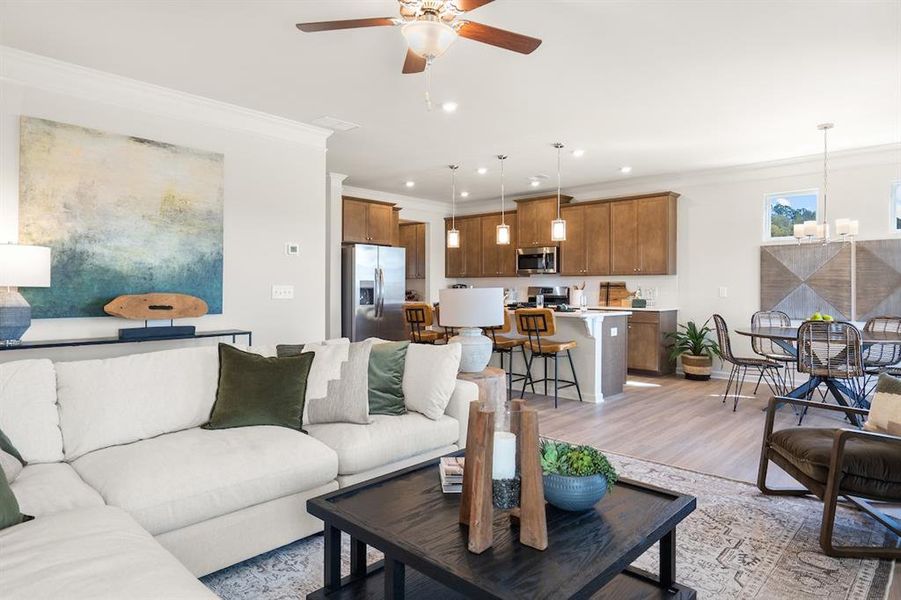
(565, 459)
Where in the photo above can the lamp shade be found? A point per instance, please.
(24, 266)
(429, 37)
(472, 307)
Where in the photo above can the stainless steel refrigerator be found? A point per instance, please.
(372, 292)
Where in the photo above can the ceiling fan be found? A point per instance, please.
(431, 26)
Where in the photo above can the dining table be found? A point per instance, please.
(786, 338)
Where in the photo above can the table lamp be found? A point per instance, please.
(470, 309)
(20, 266)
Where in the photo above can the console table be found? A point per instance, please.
(234, 334)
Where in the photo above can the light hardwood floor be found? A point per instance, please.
(682, 423)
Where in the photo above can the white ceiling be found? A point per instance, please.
(662, 86)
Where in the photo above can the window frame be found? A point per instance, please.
(767, 214)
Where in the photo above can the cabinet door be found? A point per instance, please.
(471, 244)
(653, 235)
(395, 227)
(381, 218)
(572, 251)
(354, 221)
(596, 219)
(407, 239)
(490, 250)
(644, 344)
(506, 255)
(624, 237)
(545, 212)
(420, 250)
(453, 257)
(527, 224)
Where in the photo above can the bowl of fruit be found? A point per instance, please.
(818, 316)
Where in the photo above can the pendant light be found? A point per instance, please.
(558, 225)
(503, 230)
(816, 230)
(453, 236)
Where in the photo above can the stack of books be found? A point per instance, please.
(451, 472)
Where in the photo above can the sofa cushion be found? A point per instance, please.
(872, 468)
(387, 439)
(28, 413)
(90, 553)
(182, 478)
(128, 398)
(430, 375)
(43, 489)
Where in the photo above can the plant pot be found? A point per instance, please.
(574, 494)
(697, 367)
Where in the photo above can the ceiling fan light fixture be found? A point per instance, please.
(428, 36)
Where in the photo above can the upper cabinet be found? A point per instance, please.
(369, 222)
(466, 260)
(586, 250)
(412, 238)
(533, 220)
(497, 260)
(643, 235)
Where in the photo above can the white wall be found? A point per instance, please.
(275, 191)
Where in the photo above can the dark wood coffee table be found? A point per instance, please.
(407, 517)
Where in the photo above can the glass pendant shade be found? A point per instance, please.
(453, 238)
(558, 230)
(503, 235)
(429, 37)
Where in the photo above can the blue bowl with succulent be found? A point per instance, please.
(575, 477)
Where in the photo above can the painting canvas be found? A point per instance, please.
(123, 215)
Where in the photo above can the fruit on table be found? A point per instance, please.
(816, 316)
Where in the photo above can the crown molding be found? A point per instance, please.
(399, 199)
(51, 75)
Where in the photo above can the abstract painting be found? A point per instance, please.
(122, 214)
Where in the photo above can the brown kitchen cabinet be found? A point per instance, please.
(643, 235)
(412, 239)
(533, 220)
(497, 260)
(466, 260)
(369, 222)
(648, 341)
(586, 250)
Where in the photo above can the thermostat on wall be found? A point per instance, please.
(292, 248)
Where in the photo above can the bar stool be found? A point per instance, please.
(449, 332)
(419, 316)
(536, 323)
(504, 346)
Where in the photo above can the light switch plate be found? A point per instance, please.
(614, 331)
(724, 292)
(282, 292)
(292, 248)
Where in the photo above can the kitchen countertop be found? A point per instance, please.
(607, 312)
(648, 309)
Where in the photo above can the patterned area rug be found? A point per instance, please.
(736, 544)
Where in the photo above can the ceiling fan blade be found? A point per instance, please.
(414, 63)
(467, 5)
(499, 37)
(349, 24)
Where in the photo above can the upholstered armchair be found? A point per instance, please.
(858, 466)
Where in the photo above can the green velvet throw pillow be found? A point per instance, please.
(386, 378)
(259, 390)
(7, 446)
(9, 507)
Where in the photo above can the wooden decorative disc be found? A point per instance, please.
(145, 307)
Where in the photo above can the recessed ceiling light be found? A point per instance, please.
(410, 183)
(449, 107)
(464, 194)
(481, 170)
(625, 170)
(578, 153)
(535, 183)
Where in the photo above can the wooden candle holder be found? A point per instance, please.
(476, 508)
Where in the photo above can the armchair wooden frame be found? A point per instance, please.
(831, 491)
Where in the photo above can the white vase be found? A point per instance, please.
(476, 349)
(575, 298)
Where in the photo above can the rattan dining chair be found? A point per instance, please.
(831, 351)
(769, 369)
(878, 358)
(418, 316)
(768, 348)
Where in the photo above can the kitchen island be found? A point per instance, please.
(599, 359)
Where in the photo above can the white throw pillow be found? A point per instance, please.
(10, 465)
(886, 405)
(430, 375)
(28, 411)
(347, 398)
(329, 356)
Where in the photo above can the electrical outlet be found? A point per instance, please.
(724, 292)
(614, 331)
(282, 292)
(292, 248)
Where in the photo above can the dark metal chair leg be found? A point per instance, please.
(759, 379)
(556, 376)
(527, 365)
(729, 383)
(545, 375)
(525, 382)
(575, 378)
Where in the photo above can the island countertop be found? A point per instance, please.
(590, 314)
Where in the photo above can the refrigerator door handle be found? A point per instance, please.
(377, 290)
(381, 292)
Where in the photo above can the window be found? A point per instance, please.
(896, 206)
(787, 209)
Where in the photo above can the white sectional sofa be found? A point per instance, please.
(119, 473)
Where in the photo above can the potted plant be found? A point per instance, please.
(696, 348)
(575, 477)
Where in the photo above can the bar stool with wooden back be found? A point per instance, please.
(504, 346)
(538, 324)
(419, 316)
(448, 332)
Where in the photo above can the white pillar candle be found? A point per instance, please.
(503, 465)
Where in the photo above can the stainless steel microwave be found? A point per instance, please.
(536, 260)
